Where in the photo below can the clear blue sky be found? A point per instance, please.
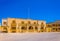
(48, 10)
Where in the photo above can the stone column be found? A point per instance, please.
(27, 28)
(39, 30)
(34, 28)
(20, 29)
(9, 29)
(17, 29)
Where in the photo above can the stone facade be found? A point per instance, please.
(15, 25)
(55, 26)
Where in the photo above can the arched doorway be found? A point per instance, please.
(36, 28)
(5, 30)
(31, 29)
(23, 29)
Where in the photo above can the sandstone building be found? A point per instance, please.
(53, 26)
(15, 25)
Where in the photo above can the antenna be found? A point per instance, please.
(28, 13)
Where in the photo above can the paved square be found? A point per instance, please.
(52, 36)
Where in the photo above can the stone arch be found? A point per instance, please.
(13, 23)
(5, 23)
(30, 27)
(34, 22)
(36, 28)
(22, 22)
(23, 29)
(5, 29)
(29, 22)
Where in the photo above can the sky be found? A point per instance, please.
(48, 10)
